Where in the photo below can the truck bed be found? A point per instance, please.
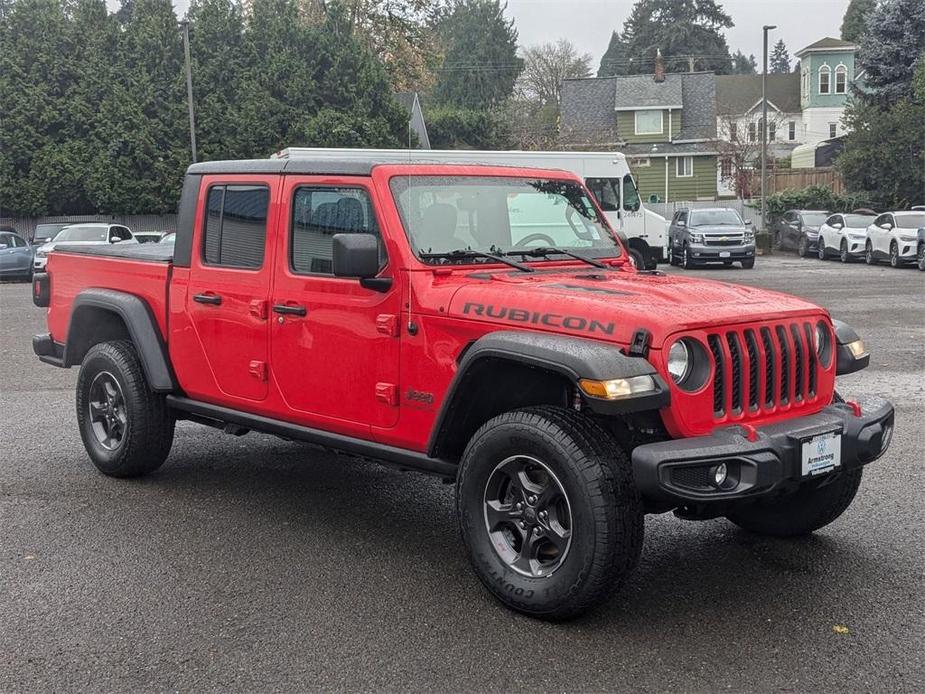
(151, 252)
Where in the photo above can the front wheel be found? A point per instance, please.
(820, 249)
(811, 507)
(548, 511)
(686, 262)
(638, 260)
(843, 252)
(748, 263)
(920, 257)
(894, 255)
(803, 248)
(126, 427)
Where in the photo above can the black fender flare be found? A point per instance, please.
(573, 358)
(142, 328)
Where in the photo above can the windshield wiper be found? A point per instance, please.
(461, 253)
(544, 251)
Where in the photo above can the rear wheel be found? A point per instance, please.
(126, 427)
(869, 257)
(813, 506)
(548, 511)
(843, 252)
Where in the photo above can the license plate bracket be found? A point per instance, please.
(724, 254)
(820, 454)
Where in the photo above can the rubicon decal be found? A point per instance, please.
(556, 320)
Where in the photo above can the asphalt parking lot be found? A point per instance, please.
(257, 564)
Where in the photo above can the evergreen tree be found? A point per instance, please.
(688, 33)
(890, 47)
(852, 26)
(613, 62)
(480, 63)
(780, 59)
(744, 64)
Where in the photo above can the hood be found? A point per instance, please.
(613, 304)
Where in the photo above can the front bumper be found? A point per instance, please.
(856, 247)
(678, 472)
(709, 253)
(39, 263)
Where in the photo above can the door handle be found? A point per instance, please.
(213, 299)
(287, 310)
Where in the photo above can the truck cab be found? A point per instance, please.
(480, 323)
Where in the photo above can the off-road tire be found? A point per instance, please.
(811, 507)
(843, 254)
(148, 430)
(920, 257)
(803, 248)
(748, 263)
(869, 256)
(606, 515)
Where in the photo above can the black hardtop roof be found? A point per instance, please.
(325, 166)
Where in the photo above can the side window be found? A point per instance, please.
(320, 212)
(630, 194)
(235, 230)
(16, 242)
(121, 233)
(682, 216)
(607, 192)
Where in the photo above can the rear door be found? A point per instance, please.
(229, 284)
(334, 343)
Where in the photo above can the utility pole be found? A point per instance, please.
(764, 131)
(184, 24)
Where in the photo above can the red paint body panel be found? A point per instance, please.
(352, 366)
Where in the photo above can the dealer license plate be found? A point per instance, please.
(724, 254)
(821, 453)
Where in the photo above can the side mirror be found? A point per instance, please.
(2, 246)
(682, 223)
(748, 222)
(357, 256)
(113, 238)
(838, 225)
(886, 225)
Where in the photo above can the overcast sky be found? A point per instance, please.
(589, 23)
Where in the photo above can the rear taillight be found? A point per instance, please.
(41, 289)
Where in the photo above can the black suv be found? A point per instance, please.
(798, 230)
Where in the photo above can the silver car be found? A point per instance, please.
(712, 235)
(86, 234)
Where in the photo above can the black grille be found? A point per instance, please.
(692, 477)
(719, 378)
(752, 345)
(784, 351)
(724, 242)
(763, 358)
(736, 362)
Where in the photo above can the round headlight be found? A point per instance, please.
(679, 361)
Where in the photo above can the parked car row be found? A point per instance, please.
(19, 258)
(896, 237)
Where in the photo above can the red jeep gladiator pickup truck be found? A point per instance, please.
(479, 323)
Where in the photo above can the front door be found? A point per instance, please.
(229, 286)
(334, 345)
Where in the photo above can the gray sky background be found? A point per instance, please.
(589, 23)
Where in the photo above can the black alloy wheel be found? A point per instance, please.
(106, 411)
(528, 516)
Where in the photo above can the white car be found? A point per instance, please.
(844, 235)
(89, 234)
(893, 236)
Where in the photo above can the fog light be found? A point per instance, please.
(886, 437)
(719, 474)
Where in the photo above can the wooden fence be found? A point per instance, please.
(795, 179)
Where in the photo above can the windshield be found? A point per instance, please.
(84, 232)
(47, 231)
(907, 221)
(499, 214)
(858, 220)
(710, 218)
(814, 219)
